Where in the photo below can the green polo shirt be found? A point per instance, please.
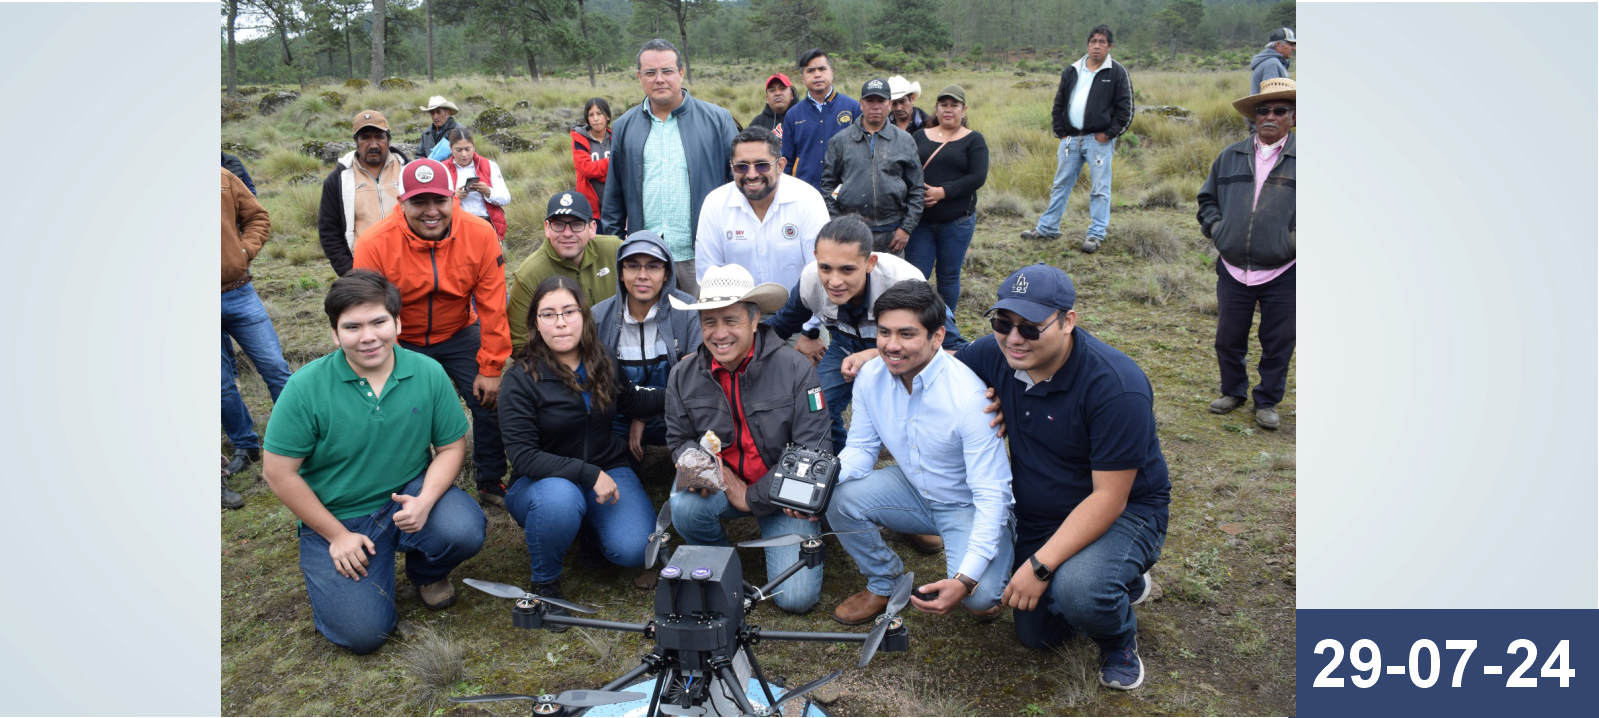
(359, 448)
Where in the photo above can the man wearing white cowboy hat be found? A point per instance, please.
(1246, 209)
(757, 396)
(443, 113)
(903, 94)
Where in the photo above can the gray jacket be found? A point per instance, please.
(707, 131)
(434, 135)
(1265, 65)
(774, 391)
(883, 185)
(682, 328)
(1250, 235)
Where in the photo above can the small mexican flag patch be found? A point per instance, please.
(814, 398)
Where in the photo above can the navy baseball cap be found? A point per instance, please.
(644, 242)
(1035, 292)
(571, 204)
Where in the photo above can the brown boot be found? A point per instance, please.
(860, 608)
(988, 616)
(926, 544)
(437, 595)
(648, 579)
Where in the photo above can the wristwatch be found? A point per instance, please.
(1039, 570)
(812, 333)
(968, 582)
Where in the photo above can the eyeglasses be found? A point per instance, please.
(666, 72)
(647, 267)
(743, 168)
(1279, 110)
(1030, 332)
(572, 225)
(567, 317)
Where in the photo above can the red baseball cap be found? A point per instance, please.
(424, 177)
(780, 77)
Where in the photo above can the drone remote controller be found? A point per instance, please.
(804, 479)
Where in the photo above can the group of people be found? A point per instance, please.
(785, 306)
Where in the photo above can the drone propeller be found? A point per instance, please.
(663, 520)
(791, 539)
(507, 591)
(567, 699)
(896, 603)
(801, 691)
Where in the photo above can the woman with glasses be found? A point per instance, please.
(557, 405)
(954, 165)
(591, 150)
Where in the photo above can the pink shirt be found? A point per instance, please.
(1266, 157)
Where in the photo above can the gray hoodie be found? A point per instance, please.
(1265, 65)
(677, 330)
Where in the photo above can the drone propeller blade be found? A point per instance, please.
(496, 589)
(493, 697)
(873, 641)
(652, 552)
(791, 539)
(808, 687)
(901, 595)
(664, 519)
(589, 699)
(563, 603)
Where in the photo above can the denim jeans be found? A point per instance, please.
(245, 319)
(1073, 154)
(1235, 311)
(1093, 591)
(942, 244)
(458, 356)
(358, 615)
(552, 511)
(699, 521)
(885, 498)
(836, 391)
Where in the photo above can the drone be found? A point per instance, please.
(704, 654)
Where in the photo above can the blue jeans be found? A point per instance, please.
(358, 615)
(245, 319)
(885, 498)
(553, 510)
(942, 244)
(699, 521)
(835, 390)
(458, 356)
(1093, 590)
(1073, 154)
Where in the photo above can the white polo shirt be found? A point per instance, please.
(773, 250)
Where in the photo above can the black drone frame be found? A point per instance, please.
(704, 653)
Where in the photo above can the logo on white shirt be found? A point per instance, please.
(790, 231)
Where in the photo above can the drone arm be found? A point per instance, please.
(620, 683)
(766, 591)
(730, 680)
(595, 623)
(813, 636)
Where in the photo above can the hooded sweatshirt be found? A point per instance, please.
(647, 350)
(1265, 65)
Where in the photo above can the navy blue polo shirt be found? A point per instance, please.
(1095, 414)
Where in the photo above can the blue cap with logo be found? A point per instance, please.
(1035, 292)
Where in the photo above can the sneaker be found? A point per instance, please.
(1226, 404)
(552, 590)
(1267, 418)
(1121, 668)
(1091, 244)
(242, 460)
(1035, 234)
(437, 595)
(491, 494)
(1141, 593)
(230, 498)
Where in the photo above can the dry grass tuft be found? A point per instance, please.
(434, 661)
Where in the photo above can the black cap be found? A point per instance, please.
(570, 204)
(876, 87)
(1283, 34)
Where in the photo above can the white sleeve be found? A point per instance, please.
(499, 194)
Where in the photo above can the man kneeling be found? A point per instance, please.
(347, 451)
(952, 478)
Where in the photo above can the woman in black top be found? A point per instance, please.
(557, 403)
(954, 165)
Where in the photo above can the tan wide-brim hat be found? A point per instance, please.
(437, 101)
(730, 284)
(1277, 88)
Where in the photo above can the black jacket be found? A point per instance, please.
(768, 119)
(549, 433)
(1249, 234)
(330, 227)
(432, 136)
(232, 164)
(1110, 102)
(774, 391)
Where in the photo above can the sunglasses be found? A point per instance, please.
(1030, 332)
(1279, 110)
(743, 168)
(574, 225)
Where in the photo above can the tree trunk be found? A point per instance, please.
(349, 57)
(430, 39)
(583, 20)
(233, 51)
(682, 34)
(505, 52)
(532, 66)
(1174, 47)
(379, 8)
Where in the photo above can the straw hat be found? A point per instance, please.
(437, 101)
(730, 284)
(1277, 88)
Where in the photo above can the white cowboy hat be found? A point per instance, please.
(730, 284)
(1277, 88)
(437, 101)
(899, 87)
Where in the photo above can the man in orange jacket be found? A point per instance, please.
(451, 274)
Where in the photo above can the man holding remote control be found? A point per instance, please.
(951, 477)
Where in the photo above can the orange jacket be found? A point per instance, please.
(245, 226)
(440, 282)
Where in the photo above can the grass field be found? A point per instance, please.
(1220, 640)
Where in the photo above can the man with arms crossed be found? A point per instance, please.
(347, 452)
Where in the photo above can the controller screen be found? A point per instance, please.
(798, 492)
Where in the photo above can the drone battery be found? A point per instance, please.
(804, 479)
